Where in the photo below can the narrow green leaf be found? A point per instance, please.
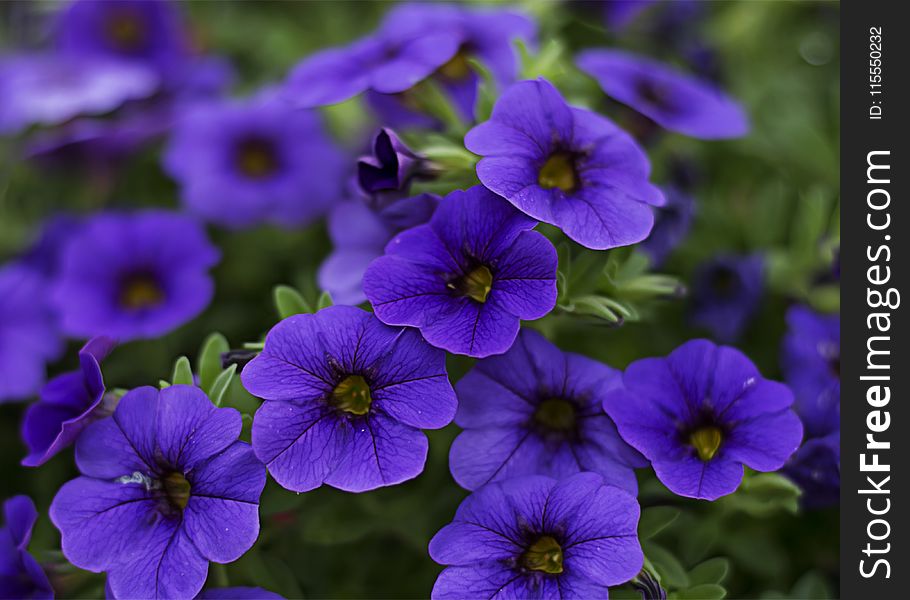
(655, 519)
(163, 383)
(208, 365)
(325, 300)
(183, 372)
(713, 570)
(221, 385)
(672, 574)
(288, 301)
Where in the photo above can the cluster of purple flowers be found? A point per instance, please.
(550, 440)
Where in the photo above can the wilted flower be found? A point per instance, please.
(672, 99)
(702, 413)
(166, 487)
(536, 410)
(565, 166)
(136, 275)
(29, 331)
(244, 163)
(44, 89)
(466, 278)
(534, 537)
(726, 293)
(346, 398)
(20, 574)
(68, 404)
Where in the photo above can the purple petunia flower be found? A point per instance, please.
(166, 487)
(534, 537)
(360, 230)
(44, 89)
(401, 53)
(20, 574)
(672, 222)
(565, 166)
(672, 99)
(29, 331)
(726, 294)
(346, 397)
(243, 163)
(68, 404)
(811, 365)
(487, 35)
(466, 278)
(700, 414)
(390, 169)
(536, 410)
(136, 275)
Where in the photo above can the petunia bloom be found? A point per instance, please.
(134, 275)
(360, 229)
(20, 574)
(401, 53)
(390, 169)
(672, 99)
(811, 365)
(534, 537)
(466, 278)
(45, 89)
(241, 163)
(29, 330)
(726, 293)
(536, 410)
(565, 166)
(345, 400)
(68, 404)
(165, 488)
(487, 35)
(702, 413)
(672, 222)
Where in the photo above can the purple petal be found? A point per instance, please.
(525, 280)
(765, 442)
(104, 451)
(696, 478)
(191, 428)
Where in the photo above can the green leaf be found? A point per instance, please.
(487, 91)
(288, 301)
(208, 365)
(220, 386)
(163, 383)
(325, 300)
(671, 572)
(705, 591)
(764, 493)
(811, 586)
(655, 519)
(595, 305)
(183, 372)
(713, 570)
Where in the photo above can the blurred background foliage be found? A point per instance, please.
(775, 191)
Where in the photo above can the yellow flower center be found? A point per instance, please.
(556, 414)
(256, 158)
(352, 395)
(706, 441)
(476, 284)
(140, 291)
(177, 489)
(457, 68)
(558, 172)
(543, 555)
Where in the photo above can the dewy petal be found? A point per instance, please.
(191, 428)
(766, 442)
(380, 451)
(695, 478)
(291, 366)
(300, 445)
(168, 566)
(103, 523)
(411, 384)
